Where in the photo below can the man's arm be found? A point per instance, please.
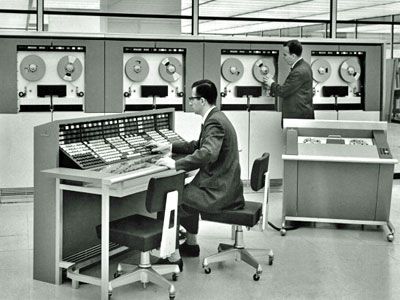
(176, 147)
(213, 137)
(184, 147)
(292, 84)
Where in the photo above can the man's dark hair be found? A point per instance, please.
(206, 89)
(294, 47)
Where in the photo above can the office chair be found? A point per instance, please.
(144, 233)
(250, 215)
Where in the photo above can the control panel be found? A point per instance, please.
(335, 139)
(98, 144)
(329, 139)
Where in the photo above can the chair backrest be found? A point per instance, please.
(158, 188)
(260, 167)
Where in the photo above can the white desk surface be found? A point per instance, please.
(121, 185)
(339, 153)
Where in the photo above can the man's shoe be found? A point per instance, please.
(189, 250)
(165, 261)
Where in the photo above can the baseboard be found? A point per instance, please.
(16, 195)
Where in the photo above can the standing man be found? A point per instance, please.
(217, 185)
(297, 90)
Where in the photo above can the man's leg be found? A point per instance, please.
(189, 219)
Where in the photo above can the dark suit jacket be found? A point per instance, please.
(297, 92)
(217, 185)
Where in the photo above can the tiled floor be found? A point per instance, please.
(320, 262)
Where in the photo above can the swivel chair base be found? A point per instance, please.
(145, 272)
(239, 253)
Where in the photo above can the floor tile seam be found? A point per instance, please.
(310, 243)
(384, 239)
(360, 242)
(12, 235)
(397, 259)
(14, 250)
(342, 259)
(316, 244)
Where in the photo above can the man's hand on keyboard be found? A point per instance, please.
(166, 161)
(159, 147)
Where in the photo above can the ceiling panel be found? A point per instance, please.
(244, 8)
(162, 7)
(17, 21)
(17, 4)
(72, 4)
(241, 27)
(367, 11)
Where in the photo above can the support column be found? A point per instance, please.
(39, 15)
(195, 17)
(103, 20)
(333, 18)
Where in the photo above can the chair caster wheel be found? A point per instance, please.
(256, 277)
(207, 270)
(283, 231)
(390, 237)
(109, 294)
(219, 249)
(171, 297)
(117, 274)
(174, 277)
(270, 260)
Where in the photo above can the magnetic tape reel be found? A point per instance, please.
(263, 67)
(232, 69)
(311, 140)
(350, 70)
(321, 70)
(170, 69)
(32, 67)
(69, 68)
(137, 68)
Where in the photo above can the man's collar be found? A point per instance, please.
(295, 63)
(207, 113)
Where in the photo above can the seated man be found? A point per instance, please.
(217, 185)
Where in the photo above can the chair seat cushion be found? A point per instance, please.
(136, 232)
(247, 216)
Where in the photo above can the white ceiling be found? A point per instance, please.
(282, 9)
